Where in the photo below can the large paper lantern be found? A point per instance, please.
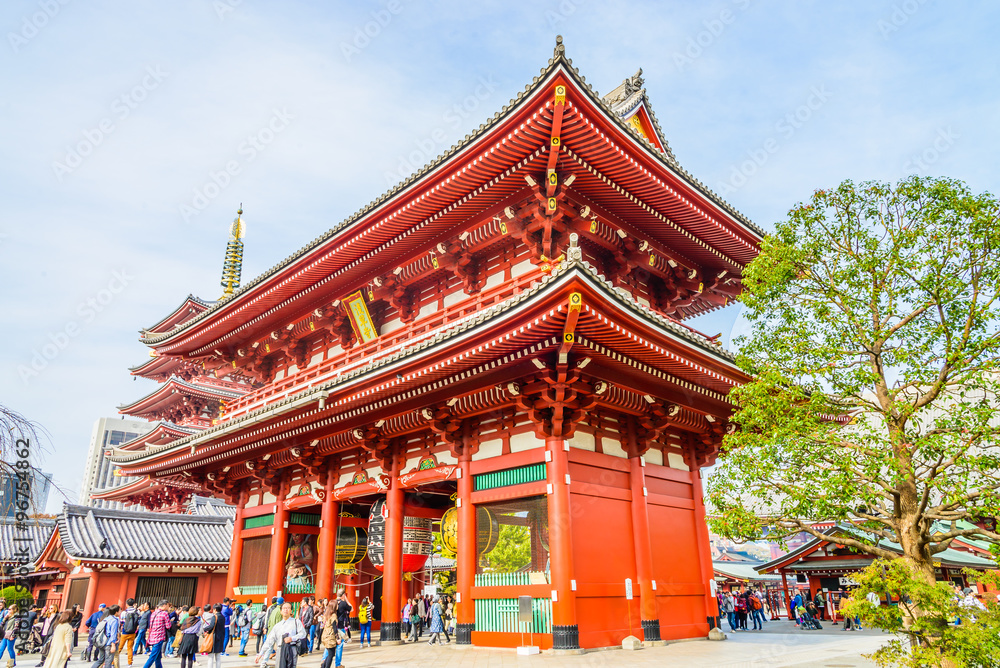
(417, 539)
(487, 530)
(352, 545)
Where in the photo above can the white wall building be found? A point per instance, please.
(99, 474)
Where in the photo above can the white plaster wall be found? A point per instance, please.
(653, 457)
(613, 448)
(676, 461)
(445, 457)
(491, 448)
(524, 441)
(391, 326)
(522, 267)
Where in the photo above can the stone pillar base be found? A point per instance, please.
(651, 630)
(390, 632)
(463, 634)
(565, 637)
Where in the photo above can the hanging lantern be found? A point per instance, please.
(487, 530)
(352, 545)
(538, 522)
(376, 534)
(417, 539)
(418, 542)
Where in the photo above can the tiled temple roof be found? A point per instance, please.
(97, 534)
(558, 59)
(206, 506)
(38, 531)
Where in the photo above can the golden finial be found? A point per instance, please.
(232, 267)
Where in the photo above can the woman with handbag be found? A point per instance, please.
(10, 624)
(61, 642)
(213, 638)
(190, 628)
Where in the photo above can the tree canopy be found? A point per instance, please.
(875, 331)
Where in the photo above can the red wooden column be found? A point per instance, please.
(565, 632)
(704, 549)
(236, 551)
(279, 542)
(123, 590)
(326, 547)
(467, 547)
(648, 613)
(392, 582)
(90, 604)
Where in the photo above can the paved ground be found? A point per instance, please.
(779, 645)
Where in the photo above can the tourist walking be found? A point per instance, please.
(190, 628)
(214, 625)
(130, 626)
(284, 638)
(820, 602)
(243, 618)
(344, 609)
(105, 642)
(365, 612)
(756, 610)
(414, 621)
(157, 634)
(140, 637)
(437, 623)
(61, 643)
(9, 626)
(91, 625)
(75, 622)
(306, 615)
(330, 641)
(728, 608)
(259, 626)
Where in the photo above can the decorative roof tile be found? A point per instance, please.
(97, 534)
(12, 535)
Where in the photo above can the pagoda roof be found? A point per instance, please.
(949, 557)
(189, 308)
(702, 360)
(126, 536)
(164, 431)
(605, 151)
(207, 506)
(12, 535)
(629, 98)
(169, 392)
(161, 366)
(143, 485)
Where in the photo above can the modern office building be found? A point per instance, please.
(99, 474)
(40, 485)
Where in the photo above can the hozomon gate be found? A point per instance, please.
(502, 333)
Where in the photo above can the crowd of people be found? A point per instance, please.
(435, 614)
(193, 634)
(745, 604)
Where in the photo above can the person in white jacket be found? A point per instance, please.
(284, 638)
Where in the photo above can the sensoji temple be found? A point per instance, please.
(497, 342)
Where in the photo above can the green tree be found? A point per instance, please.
(17, 595)
(873, 356)
(512, 552)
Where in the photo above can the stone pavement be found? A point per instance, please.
(779, 645)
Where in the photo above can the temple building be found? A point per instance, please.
(494, 350)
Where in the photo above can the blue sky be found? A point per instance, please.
(120, 120)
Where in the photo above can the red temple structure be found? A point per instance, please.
(502, 335)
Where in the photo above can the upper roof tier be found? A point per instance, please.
(618, 168)
(189, 308)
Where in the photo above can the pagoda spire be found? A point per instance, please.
(232, 266)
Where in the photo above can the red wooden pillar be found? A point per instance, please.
(90, 604)
(648, 613)
(326, 547)
(788, 596)
(279, 543)
(236, 552)
(392, 582)
(565, 632)
(467, 549)
(704, 549)
(123, 590)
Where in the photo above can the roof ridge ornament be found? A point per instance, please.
(559, 50)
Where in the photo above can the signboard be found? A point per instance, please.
(628, 589)
(847, 581)
(524, 611)
(361, 320)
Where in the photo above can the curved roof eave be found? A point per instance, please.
(558, 63)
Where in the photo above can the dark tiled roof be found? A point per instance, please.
(206, 506)
(559, 59)
(38, 532)
(124, 535)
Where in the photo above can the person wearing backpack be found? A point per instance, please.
(140, 636)
(820, 602)
(259, 626)
(244, 617)
(130, 626)
(106, 638)
(755, 608)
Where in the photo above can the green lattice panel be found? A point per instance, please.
(499, 615)
(259, 521)
(508, 477)
(304, 519)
